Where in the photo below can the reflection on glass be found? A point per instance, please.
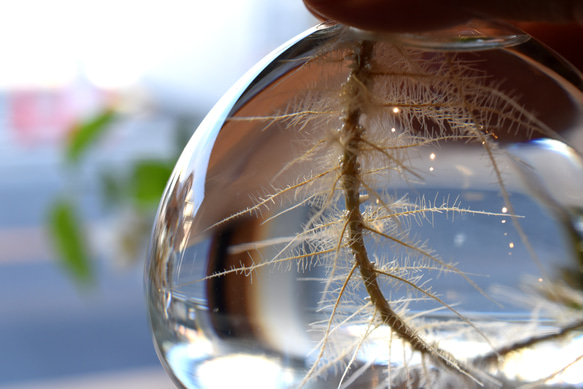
(367, 211)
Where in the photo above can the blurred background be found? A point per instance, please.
(97, 98)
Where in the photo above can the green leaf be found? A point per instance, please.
(87, 133)
(69, 240)
(148, 182)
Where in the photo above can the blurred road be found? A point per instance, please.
(151, 378)
(50, 328)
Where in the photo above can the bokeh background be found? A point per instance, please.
(97, 98)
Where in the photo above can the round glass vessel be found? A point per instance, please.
(373, 211)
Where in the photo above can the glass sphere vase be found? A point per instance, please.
(379, 211)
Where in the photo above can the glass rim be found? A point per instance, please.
(476, 34)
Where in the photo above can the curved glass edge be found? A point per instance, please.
(252, 83)
(285, 58)
(200, 144)
(220, 111)
(471, 36)
(476, 35)
(539, 53)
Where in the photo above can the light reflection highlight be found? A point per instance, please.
(226, 372)
(527, 365)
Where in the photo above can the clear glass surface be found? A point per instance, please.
(379, 211)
